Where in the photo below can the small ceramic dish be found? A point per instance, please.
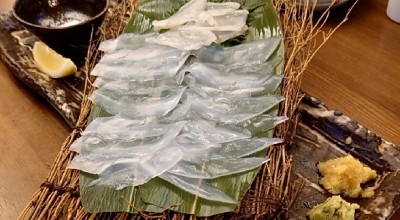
(67, 21)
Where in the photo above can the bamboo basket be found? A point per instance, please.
(273, 192)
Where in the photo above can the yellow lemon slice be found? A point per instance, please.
(50, 62)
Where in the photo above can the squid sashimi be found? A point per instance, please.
(129, 135)
(198, 188)
(123, 170)
(181, 107)
(126, 70)
(185, 14)
(203, 130)
(246, 147)
(215, 166)
(269, 86)
(126, 41)
(233, 111)
(216, 76)
(143, 54)
(138, 106)
(186, 38)
(247, 54)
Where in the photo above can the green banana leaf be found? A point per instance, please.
(158, 194)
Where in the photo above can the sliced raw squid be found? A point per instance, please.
(234, 21)
(185, 14)
(152, 69)
(126, 41)
(207, 91)
(246, 147)
(220, 77)
(108, 135)
(255, 124)
(203, 32)
(138, 106)
(211, 6)
(215, 166)
(198, 24)
(144, 54)
(247, 54)
(137, 145)
(126, 170)
(196, 149)
(211, 133)
(223, 36)
(125, 89)
(139, 84)
(230, 110)
(261, 124)
(270, 86)
(186, 38)
(132, 85)
(206, 18)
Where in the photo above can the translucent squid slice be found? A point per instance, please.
(223, 5)
(139, 171)
(124, 89)
(122, 128)
(98, 137)
(246, 54)
(203, 130)
(181, 112)
(246, 147)
(223, 36)
(195, 148)
(206, 91)
(271, 85)
(214, 20)
(153, 52)
(138, 106)
(198, 188)
(136, 145)
(261, 123)
(186, 38)
(201, 111)
(215, 166)
(230, 110)
(214, 10)
(224, 20)
(205, 19)
(185, 14)
(126, 41)
(234, 21)
(138, 84)
(152, 69)
(141, 86)
(220, 77)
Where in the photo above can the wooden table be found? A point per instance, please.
(31, 136)
(357, 72)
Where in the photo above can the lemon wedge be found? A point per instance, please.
(50, 62)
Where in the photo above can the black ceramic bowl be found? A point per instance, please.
(65, 21)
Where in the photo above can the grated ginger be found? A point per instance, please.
(345, 175)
